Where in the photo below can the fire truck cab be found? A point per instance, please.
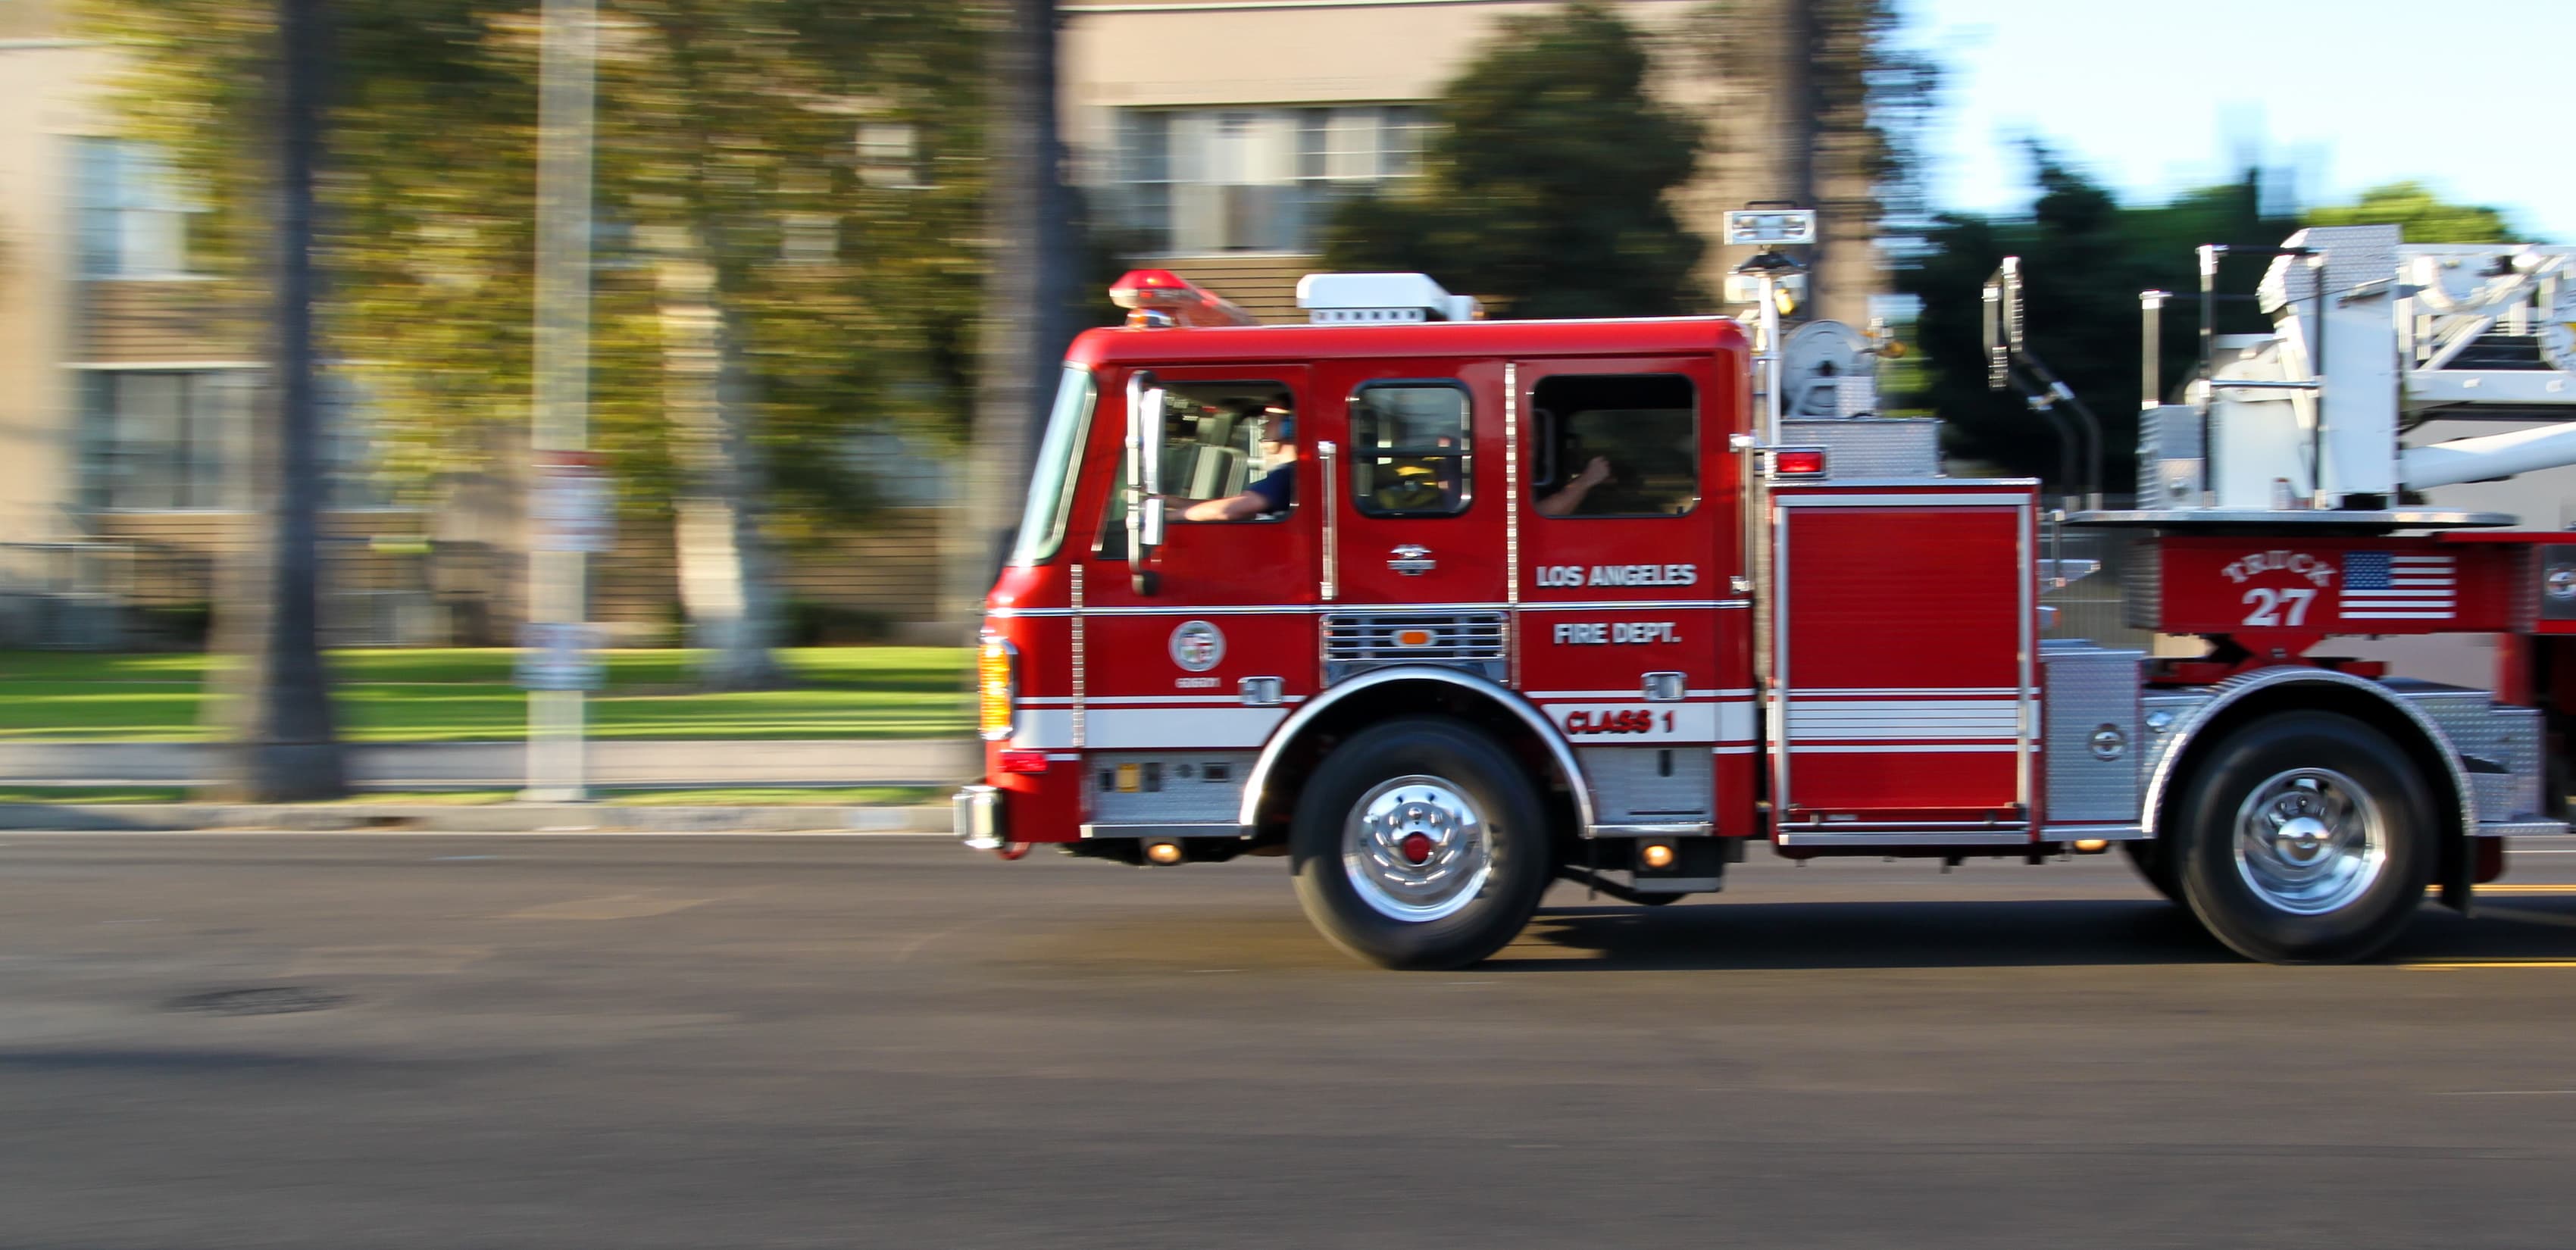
(1443, 609)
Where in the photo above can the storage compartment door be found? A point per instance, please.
(1900, 695)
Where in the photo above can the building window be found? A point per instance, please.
(158, 439)
(133, 212)
(890, 156)
(1410, 449)
(1200, 181)
(350, 445)
(172, 439)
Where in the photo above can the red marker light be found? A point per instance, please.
(1804, 462)
(1143, 292)
(1016, 761)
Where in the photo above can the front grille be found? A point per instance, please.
(1355, 642)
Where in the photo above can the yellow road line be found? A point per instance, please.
(2461, 964)
(2518, 889)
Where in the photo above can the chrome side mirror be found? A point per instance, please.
(1144, 476)
(1153, 528)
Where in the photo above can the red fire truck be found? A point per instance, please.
(1442, 609)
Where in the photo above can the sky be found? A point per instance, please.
(2150, 98)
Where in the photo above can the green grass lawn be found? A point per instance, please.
(454, 695)
(761, 796)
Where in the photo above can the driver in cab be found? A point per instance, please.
(1273, 491)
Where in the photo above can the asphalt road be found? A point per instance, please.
(417, 1041)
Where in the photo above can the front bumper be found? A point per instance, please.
(976, 815)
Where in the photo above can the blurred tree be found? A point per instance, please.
(2084, 261)
(788, 200)
(2426, 218)
(1545, 189)
(285, 745)
(1819, 102)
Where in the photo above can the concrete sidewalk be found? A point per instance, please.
(677, 764)
(467, 818)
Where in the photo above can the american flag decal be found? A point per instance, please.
(2381, 586)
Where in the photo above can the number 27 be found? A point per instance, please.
(2268, 604)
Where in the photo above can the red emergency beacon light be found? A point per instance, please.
(1158, 297)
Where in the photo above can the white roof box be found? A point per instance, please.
(1362, 298)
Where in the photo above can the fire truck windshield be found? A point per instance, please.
(1051, 481)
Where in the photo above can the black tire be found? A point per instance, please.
(1472, 924)
(2155, 865)
(2304, 760)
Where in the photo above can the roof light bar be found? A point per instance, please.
(1159, 296)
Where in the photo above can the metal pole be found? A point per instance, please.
(2209, 253)
(2317, 362)
(2151, 309)
(558, 596)
(1771, 358)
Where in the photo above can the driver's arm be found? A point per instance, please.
(1570, 496)
(1231, 508)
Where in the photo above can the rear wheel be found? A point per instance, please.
(2305, 837)
(1419, 844)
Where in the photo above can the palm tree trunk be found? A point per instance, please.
(709, 397)
(286, 746)
(1029, 285)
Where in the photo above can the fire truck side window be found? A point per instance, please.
(1220, 439)
(1608, 445)
(1410, 449)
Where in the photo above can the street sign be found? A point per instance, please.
(1770, 227)
(574, 507)
(558, 656)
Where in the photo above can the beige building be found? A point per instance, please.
(1214, 135)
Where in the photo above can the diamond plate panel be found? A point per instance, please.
(2354, 255)
(2169, 467)
(2168, 711)
(1649, 785)
(1870, 447)
(2142, 585)
(2489, 735)
(2090, 690)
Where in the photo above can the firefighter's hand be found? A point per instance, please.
(1593, 474)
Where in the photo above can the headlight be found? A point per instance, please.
(996, 686)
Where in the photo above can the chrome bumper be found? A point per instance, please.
(976, 815)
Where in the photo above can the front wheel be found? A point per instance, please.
(1419, 844)
(2307, 837)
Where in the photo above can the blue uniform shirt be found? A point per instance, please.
(1275, 488)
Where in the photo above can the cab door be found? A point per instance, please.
(1633, 639)
(1186, 671)
(1419, 513)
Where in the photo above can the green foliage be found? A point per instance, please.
(2085, 258)
(733, 119)
(448, 695)
(1544, 189)
(2426, 219)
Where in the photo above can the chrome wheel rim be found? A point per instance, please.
(2310, 841)
(1415, 848)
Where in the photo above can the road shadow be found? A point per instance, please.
(1712, 936)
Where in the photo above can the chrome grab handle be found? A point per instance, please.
(1411, 559)
(1326, 451)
